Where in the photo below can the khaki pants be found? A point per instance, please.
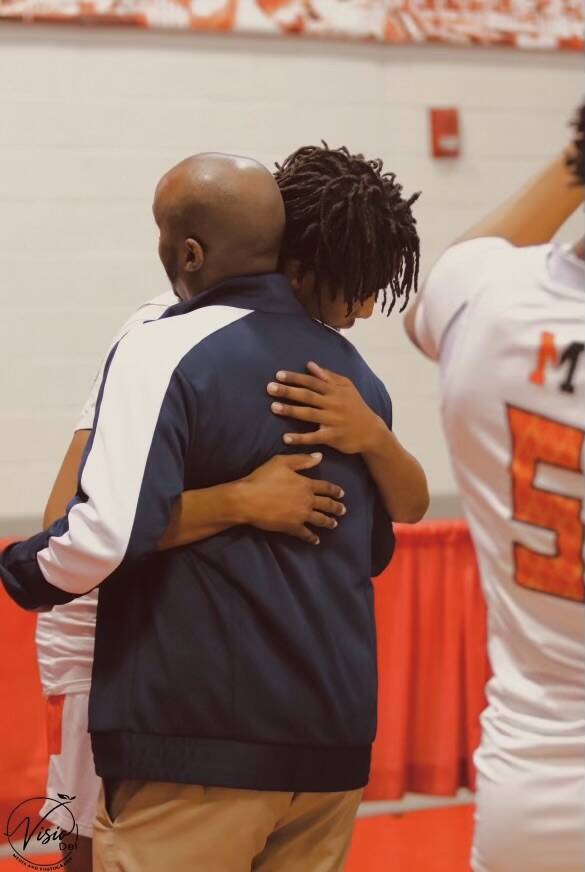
(154, 827)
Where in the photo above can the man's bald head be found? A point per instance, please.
(219, 216)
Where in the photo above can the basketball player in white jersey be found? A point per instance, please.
(277, 498)
(502, 312)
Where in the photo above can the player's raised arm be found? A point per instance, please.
(532, 216)
(537, 211)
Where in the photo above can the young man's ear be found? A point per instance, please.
(303, 283)
(194, 255)
(292, 270)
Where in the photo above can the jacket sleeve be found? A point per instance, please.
(383, 540)
(131, 476)
(150, 311)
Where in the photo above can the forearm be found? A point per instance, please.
(56, 507)
(61, 495)
(65, 485)
(199, 514)
(534, 214)
(398, 475)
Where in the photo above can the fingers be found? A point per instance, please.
(305, 535)
(318, 519)
(317, 385)
(326, 489)
(315, 437)
(298, 462)
(299, 413)
(323, 374)
(329, 506)
(296, 395)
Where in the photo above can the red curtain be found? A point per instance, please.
(433, 663)
(23, 737)
(432, 660)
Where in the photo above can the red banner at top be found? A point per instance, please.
(532, 24)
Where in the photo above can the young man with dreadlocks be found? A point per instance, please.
(350, 237)
(502, 312)
(232, 719)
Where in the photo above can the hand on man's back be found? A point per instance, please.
(278, 498)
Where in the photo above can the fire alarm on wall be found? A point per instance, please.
(445, 135)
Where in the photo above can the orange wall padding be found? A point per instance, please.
(433, 668)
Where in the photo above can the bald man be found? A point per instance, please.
(232, 715)
(236, 209)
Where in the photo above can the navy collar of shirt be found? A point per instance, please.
(266, 292)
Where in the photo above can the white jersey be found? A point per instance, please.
(65, 636)
(506, 325)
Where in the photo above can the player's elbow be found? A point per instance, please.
(414, 508)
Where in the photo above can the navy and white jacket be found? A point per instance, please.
(247, 660)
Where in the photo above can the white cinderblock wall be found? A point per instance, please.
(89, 119)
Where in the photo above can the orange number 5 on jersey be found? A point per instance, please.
(535, 440)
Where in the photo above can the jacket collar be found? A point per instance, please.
(266, 292)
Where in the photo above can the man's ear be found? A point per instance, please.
(194, 255)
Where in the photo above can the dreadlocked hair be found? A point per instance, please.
(576, 161)
(346, 221)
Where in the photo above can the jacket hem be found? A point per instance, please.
(229, 763)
